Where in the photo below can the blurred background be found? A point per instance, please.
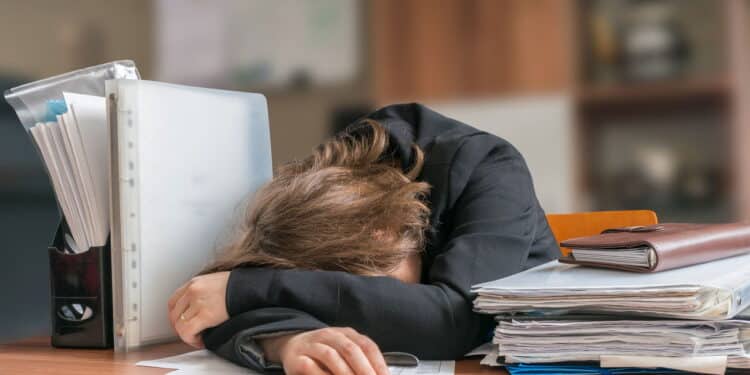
(616, 104)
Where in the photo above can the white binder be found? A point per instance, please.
(183, 163)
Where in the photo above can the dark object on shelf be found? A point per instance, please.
(694, 193)
(699, 186)
(637, 41)
(81, 294)
(654, 45)
(632, 189)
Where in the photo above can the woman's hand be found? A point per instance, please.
(337, 351)
(197, 305)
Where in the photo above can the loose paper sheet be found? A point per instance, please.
(482, 350)
(426, 367)
(205, 362)
(197, 362)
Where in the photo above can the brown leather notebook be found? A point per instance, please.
(658, 247)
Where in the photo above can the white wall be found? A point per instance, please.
(541, 128)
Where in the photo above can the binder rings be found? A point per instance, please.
(183, 162)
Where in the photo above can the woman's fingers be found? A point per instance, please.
(339, 351)
(370, 349)
(187, 323)
(350, 351)
(329, 358)
(189, 332)
(179, 307)
(189, 313)
(195, 328)
(303, 365)
(176, 296)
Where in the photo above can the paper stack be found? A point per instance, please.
(75, 150)
(548, 341)
(712, 291)
(574, 313)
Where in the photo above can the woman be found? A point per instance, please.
(383, 230)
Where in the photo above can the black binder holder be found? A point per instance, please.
(81, 294)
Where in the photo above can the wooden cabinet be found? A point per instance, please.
(426, 50)
(694, 124)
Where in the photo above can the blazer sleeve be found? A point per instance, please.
(494, 223)
(236, 339)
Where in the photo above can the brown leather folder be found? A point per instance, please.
(659, 247)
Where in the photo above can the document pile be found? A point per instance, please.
(711, 291)
(74, 145)
(551, 341)
(576, 313)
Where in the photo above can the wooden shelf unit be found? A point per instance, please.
(725, 91)
(667, 91)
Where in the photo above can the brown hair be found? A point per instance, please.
(347, 207)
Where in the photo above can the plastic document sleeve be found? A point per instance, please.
(183, 161)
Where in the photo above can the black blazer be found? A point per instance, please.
(486, 224)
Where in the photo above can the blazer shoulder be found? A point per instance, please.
(422, 121)
(443, 139)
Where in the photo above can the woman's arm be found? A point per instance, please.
(495, 220)
(266, 339)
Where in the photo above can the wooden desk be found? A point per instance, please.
(36, 356)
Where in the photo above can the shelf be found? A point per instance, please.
(653, 93)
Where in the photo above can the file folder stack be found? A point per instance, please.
(552, 341)
(559, 312)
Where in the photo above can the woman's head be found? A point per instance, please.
(347, 207)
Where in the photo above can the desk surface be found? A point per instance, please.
(36, 356)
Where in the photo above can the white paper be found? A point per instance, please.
(70, 184)
(703, 365)
(204, 362)
(49, 160)
(490, 359)
(59, 168)
(79, 189)
(482, 350)
(86, 126)
(636, 257)
(197, 362)
(426, 367)
(76, 159)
